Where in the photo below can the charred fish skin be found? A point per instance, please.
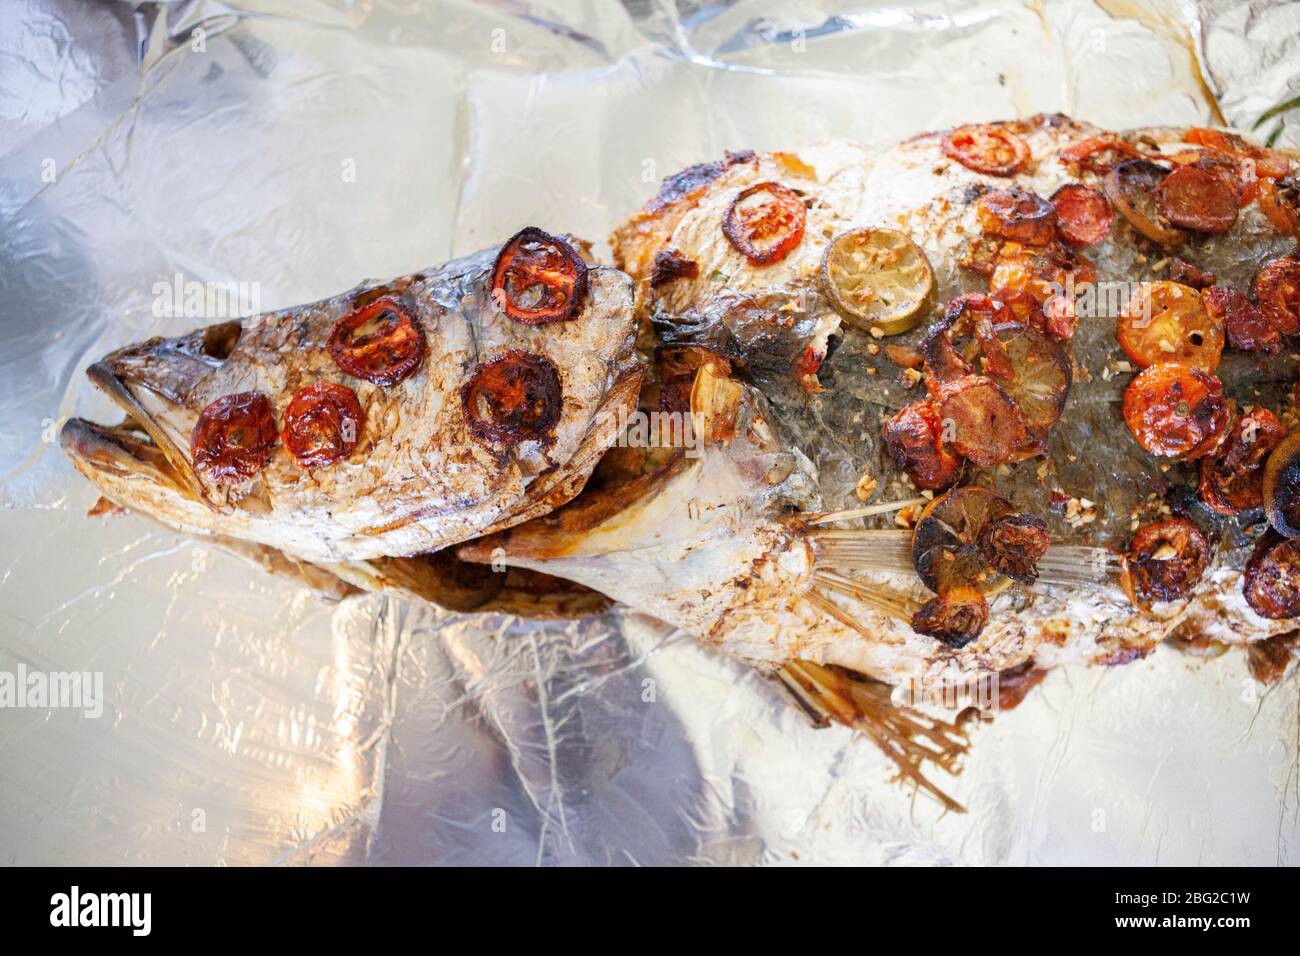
(403, 472)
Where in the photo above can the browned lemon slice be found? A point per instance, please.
(946, 541)
(877, 277)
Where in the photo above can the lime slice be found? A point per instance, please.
(877, 278)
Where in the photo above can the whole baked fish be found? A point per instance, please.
(391, 420)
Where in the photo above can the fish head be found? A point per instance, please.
(446, 414)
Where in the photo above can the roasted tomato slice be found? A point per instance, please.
(764, 222)
(1099, 154)
(1132, 189)
(1176, 411)
(1269, 163)
(1083, 215)
(1282, 486)
(1018, 215)
(946, 541)
(1164, 562)
(381, 342)
(877, 278)
(538, 279)
(1277, 290)
(1013, 545)
(986, 149)
(914, 438)
(1168, 322)
(233, 438)
(1194, 198)
(963, 316)
(1271, 584)
(322, 424)
(1232, 481)
(987, 427)
(1244, 323)
(1049, 275)
(1280, 202)
(513, 398)
(955, 618)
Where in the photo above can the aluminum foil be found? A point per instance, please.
(301, 147)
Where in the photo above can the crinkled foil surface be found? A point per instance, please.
(304, 145)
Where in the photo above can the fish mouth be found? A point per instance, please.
(148, 382)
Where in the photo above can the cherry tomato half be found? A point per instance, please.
(381, 342)
(764, 222)
(322, 424)
(538, 279)
(1168, 322)
(1083, 215)
(512, 398)
(1175, 411)
(233, 438)
(987, 149)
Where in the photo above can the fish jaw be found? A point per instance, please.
(418, 480)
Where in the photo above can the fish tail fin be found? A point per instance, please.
(911, 739)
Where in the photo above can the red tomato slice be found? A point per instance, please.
(381, 342)
(764, 222)
(512, 398)
(987, 149)
(538, 279)
(1194, 198)
(1245, 324)
(1168, 322)
(322, 424)
(1175, 411)
(1083, 214)
(1277, 290)
(233, 438)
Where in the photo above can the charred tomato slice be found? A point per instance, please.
(322, 424)
(765, 222)
(914, 438)
(1013, 544)
(538, 278)
(233, 438)
(1099, 154)
(1280, 202)
(1083, 215)
(1132, 189)
(1282, 486)
(513, 398)
(1168, 322)
(955, 618)
(1244, 323)
(1269, 163)
(1197, 199)
(381, 341)
(1277, 290)
(1271, 584)
(991, 150)
(1164, 562)
(1175, 411)
(1232, 481)
(987, 427)
(1018, 215)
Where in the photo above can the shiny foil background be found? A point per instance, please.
(246, 722)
